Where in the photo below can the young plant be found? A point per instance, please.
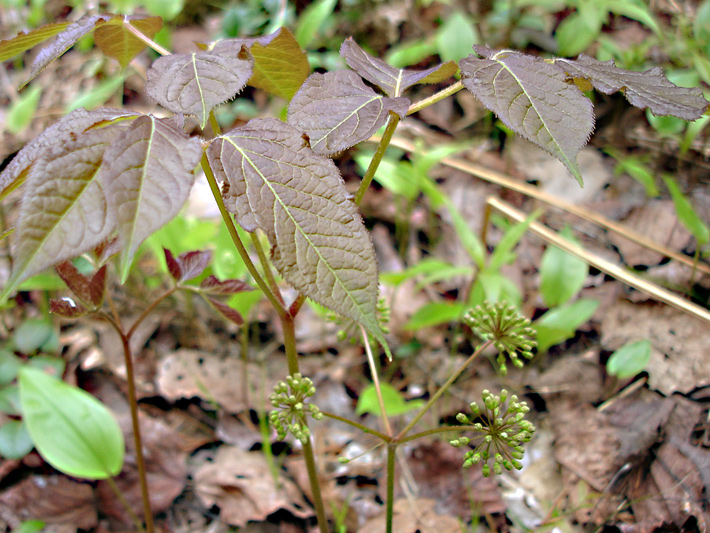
(104, 180)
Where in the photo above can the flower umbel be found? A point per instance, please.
(289, 399)
(509, 330)
(500, 433)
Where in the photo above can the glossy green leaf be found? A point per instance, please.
(394, 402)
(686, 214)
(23, 110)
(629, 360)
(15, 441)
(71, 429)
(561, 323)
(562, 275)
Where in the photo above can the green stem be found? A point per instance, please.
(361, 427)
(376, 381)
(391, 456)
(289, 333)
(265, 266)
(126, 505)
(238, 244)
(434, 98)
(377, 158)
(435, 431)
(402, 434)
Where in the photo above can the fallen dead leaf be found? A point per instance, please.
(415, 516)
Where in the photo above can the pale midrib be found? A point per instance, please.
(203, 121)
(354, 112)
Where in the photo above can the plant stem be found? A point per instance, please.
(435, 431)
(133, 402)
(441, 391)
(239, 245)
(147, 40)
(434, 98)
(148, 310)
(289, 332)
(376, 381)
(361, 427)
(126, 505)
(391, 455)
(265, 266)
(377, 158)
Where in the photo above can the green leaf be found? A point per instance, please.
(561, 323)
(117, 42)
(31, 526)
(10, 365)
(456, 36)
(71, 429)
(52, 366)
(311, 20)
(686, 214)
(32, 334)
(394, 402)
(629, 360)
(534, 99)
(298, 199)
(637, 169)
(25, 41)
(579, 30)
(96, 96)
(23, 110)
(503, 253)
(15, 441)
(562, 275)
(434, 314)
(10, 400)
(337, 110)
(165, 9)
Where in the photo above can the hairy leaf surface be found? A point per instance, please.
(649, 89)
(337, 110)
(319, 243)
(534, 99)
(65, 211)
(64, 42)
(195, 83)
(25, 41)
(280, 66)
(117, 42)
(147, 176)
(393, 81)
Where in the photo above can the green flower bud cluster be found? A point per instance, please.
(511, 332)
(289, 400)
(501, 433)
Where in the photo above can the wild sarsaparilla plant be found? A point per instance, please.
(101, 181)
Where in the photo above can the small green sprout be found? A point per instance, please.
(510, 331)
(289, 400)
(500, 433)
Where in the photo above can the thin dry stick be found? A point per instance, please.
(376, 381)
(508, 183)
(614, 270)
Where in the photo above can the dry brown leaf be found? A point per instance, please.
(241, 484)
(415, 516)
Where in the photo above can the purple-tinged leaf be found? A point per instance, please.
(227, 312)
(25, 41)
(212, 285)
(534, 99)
(89, 290)
(65, 210)
(147, 175)
(75, 123)
(337, 110)
(173, 265)
(194, 263)
(280, 66)
(120, 44)
(393, 81)
(649, 89)
(195, 83)
(66, 308)
(64, 42)
(319, 243)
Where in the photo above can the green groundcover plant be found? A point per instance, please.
(100, 182)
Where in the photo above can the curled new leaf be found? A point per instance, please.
(649, 89)
(188, 265)
(393, 81)
(280, 66)
(534, 99)
(147, 175)
(195, 83)
(65, 211)
(88, 289)
(66, 308)
(212, 285)
(319, 243)
(337, 111)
